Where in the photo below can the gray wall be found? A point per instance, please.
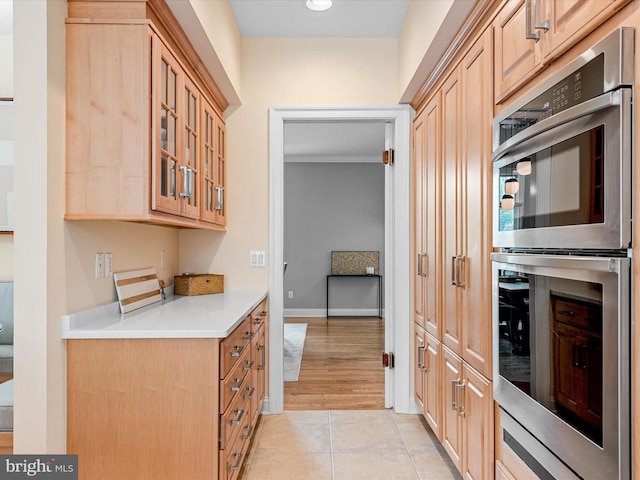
(331, 206)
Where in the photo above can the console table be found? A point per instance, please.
(378, 277)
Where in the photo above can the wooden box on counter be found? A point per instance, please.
(200, 284)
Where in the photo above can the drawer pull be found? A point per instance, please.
(239, 419)
(247, 365)
(233, 468)
(248, 335)
(258, 320)
(247, 436)
(566, 313)
(263, 361)
(237, 350)
(250, 394)
(238, 383)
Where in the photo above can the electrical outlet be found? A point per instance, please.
(290, 293)
(256, 258)
(99, 265)
(108, 265)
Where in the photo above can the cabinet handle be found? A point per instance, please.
(251, 390)
(566, 313)
(461, 270)
(460, 394)
(263, 361)
(247, 365)
(237, 350)
(185, 181)
(425, 359)
(536, 15)
(248, 335)
(528, 33)
(454, 394)
(240, 414)
(419, 264)
(421, 358)
(425, 265)
(233, 468)
(247, 436)
(220, 204)
(453, 271)
(238, 381)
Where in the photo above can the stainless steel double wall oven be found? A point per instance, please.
(561, 280)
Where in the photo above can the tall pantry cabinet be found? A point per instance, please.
(452, 263)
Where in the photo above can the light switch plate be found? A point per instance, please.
(256, 258)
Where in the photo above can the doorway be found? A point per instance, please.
(396, 244)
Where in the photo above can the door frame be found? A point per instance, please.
(398, 337)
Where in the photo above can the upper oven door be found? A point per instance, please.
(565, 181)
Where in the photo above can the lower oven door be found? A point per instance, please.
(561, 356)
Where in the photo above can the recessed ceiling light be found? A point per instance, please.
(319, 5)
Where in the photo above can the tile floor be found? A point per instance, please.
(346, 445)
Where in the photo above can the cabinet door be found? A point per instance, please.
(517, 57)
(420, 279)
(431, 210)
(221, 171)
(432, 388)
(478, 426)
(210, 198)
(570, 20)
(567, 341)
(451, 425)
(475, 264)
(191, 155)
(167, 90)
(451, 219)
(419, 362)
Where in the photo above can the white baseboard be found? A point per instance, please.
(334, 312)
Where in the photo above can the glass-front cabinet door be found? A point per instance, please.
(213, 167)
(190, 165)
(168, 78)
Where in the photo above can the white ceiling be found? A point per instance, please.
(346, 18)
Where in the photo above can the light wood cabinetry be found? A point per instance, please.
(466, 215)
(467, 420)
(427, 372)
(453, 352)
(166, 408)
(530, 34)
(427, 146)
(136, 149)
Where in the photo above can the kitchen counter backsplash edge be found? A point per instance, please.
(201, 316)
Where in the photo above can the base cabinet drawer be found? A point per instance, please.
(232, 458)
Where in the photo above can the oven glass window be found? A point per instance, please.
(558, 186)
(550, 345)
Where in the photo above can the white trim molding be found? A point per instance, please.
(398, 338)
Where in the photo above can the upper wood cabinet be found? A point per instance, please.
(137, 144)
(530, 34)
(213, 166)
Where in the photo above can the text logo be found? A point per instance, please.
(49, 467)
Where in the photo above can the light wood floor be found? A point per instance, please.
(341, 366)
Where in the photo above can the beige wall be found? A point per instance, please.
(420, 27)
(220, 26)
(282, 72)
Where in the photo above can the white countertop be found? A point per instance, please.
(201, 316)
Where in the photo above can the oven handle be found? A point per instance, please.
(601, 102)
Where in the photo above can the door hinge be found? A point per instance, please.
(388, 360)
(387, 157)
